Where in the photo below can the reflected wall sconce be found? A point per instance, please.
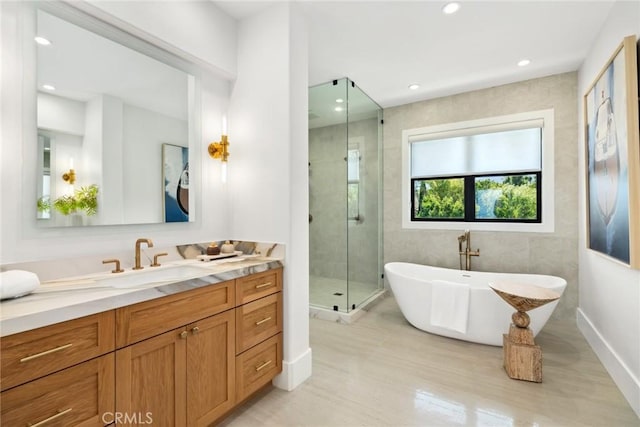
(70, 177)
(220, 150)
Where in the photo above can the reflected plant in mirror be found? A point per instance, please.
(107, 102)
(84, 199)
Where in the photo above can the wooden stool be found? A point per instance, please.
(522, 357)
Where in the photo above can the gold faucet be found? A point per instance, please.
(468, 253)
(149, 244)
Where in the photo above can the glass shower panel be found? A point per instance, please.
(328, 196)
(345, 237)
(363, 201)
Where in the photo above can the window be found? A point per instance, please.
(353, 184)
(492, 174)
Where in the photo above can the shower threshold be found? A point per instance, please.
(324, 313)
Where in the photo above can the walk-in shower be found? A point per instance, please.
(345, 209)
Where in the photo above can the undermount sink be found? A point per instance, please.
(150, 275)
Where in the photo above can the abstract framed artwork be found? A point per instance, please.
(175, 183)
(613, 158)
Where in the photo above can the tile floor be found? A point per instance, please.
(380, 371)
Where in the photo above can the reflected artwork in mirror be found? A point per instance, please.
(105, 112)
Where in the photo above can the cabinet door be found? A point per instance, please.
(150, 381)
(82, 395)
(210, 368)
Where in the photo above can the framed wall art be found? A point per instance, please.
(175, 183)
(613, 157)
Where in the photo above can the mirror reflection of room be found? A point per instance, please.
(104, 112)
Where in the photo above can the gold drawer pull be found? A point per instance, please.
(44, 353)
(51, 418)
(264, 365)
(263, 285)
(260, 322)
(183, 335)
(195, 330)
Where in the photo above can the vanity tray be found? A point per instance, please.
(220, 256)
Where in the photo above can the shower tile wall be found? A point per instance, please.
(543, 253)
(327, 204)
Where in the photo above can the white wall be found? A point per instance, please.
(22, 240)
(60, 114)
(609, 293)
(112, 144)
(149, 130)
(268, 164)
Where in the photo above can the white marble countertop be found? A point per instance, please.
(70, 298)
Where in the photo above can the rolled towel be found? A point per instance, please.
(16, 283)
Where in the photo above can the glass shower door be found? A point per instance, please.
(364, 170)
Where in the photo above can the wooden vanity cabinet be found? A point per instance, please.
(258, 331)
(184, 377)
(185, 359)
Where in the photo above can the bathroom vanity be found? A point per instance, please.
(185, 358)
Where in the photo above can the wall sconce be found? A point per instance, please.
(69, 177)
(220, 150)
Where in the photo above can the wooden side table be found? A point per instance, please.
(522, 357)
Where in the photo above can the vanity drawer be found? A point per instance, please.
(257, 321)
(80, 395)
(257, 366)
(144, 320)
(33, 354)
(255, 286)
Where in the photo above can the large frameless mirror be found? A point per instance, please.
(114, 126)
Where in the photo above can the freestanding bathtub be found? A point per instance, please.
(488, 316)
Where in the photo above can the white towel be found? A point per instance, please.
(449, 305)
(15, 283)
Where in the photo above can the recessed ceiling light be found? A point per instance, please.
(48, 87)
(42, 41)
(450, 8)
(524, 63)
(338, 109)
(414, 86)
(339, 100)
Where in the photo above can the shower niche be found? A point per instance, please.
(345, 194)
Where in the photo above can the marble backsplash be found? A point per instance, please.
(77, 266)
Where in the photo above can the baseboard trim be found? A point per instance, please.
(294, 372)
(629, 385)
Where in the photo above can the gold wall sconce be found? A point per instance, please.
(69, 177)
(220, 150)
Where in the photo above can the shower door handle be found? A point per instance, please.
(310, 218)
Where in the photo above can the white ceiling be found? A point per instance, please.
(384, 46)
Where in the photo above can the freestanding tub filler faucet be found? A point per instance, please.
(138, 242)
(467, 252)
